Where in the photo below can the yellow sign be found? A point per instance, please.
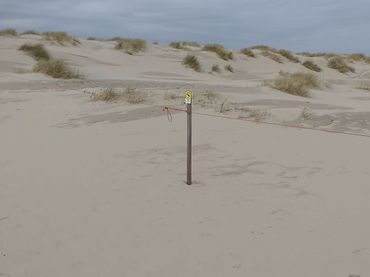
(188, 95)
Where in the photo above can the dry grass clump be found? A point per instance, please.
(30, 32)
(190, 43)
(130, 45)
(205, 98)
(248, 52)
(130, 95)
(56, 69)
(178, 45)
(229, 68)
(191, 61)
(219, 50)
(60, 38)
(358, 57)
(312, 66)
(340, 65)
(287, 54)
(320, 54)
(263, 48)
(8, 32)
(254, 114)
(295, 83)
(275, 57)
(36, 51)
(216, 68)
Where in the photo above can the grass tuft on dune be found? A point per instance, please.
(9, 32)
(30, 32)
(61, 38)
(192, 62)
(248, 52)
(36, 51)
(130, 95)
(219, 50)
(287, 54)
(130, 46)
(339, 64)
(56, 69)
(312, 66)
(229, 68)
(271, 55)
(216, 68)
(295, 83)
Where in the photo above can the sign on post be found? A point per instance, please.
(188, 102)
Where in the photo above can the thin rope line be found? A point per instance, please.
(270, 123)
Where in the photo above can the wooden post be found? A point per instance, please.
(189, 123)
(188, 102)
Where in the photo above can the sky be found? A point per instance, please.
(298, 25)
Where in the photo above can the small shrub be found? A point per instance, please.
(178, 45)
(229, 68)
(36, 51)
(358, 57)
(130, 46)
(340, 65)
(190, 43)
(30, 32)
(91, 38)
(312, 66)
(289, 55)
(248, 52)
(216, 68)
(275, 57)
(320, 54)
(263, 48)
(60, 38)
(295, 83)
(8, 32)
(191, 61)
(130, 95)
(56, 69)
(155, 42)
(219, 50)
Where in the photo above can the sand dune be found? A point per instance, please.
(98, 189)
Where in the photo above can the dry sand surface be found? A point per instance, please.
(98, 189)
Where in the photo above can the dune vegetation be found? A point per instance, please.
(339, 64)
(61, 38)
(192, 62)
(229, 68)
(8, 32)
(312, 66)
(271, 55)
(30, 32)
(287, 54)
(295, 83)
(248, 52)
(219, 50)
(130, 46)
(36, 51)
(263, 48)
(56, 69)
(178, 45)
(216, 68)
(129, 95)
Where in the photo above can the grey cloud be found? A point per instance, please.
(316, 25)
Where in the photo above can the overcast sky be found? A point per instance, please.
(298, 25)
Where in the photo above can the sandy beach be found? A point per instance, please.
(92, 188)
